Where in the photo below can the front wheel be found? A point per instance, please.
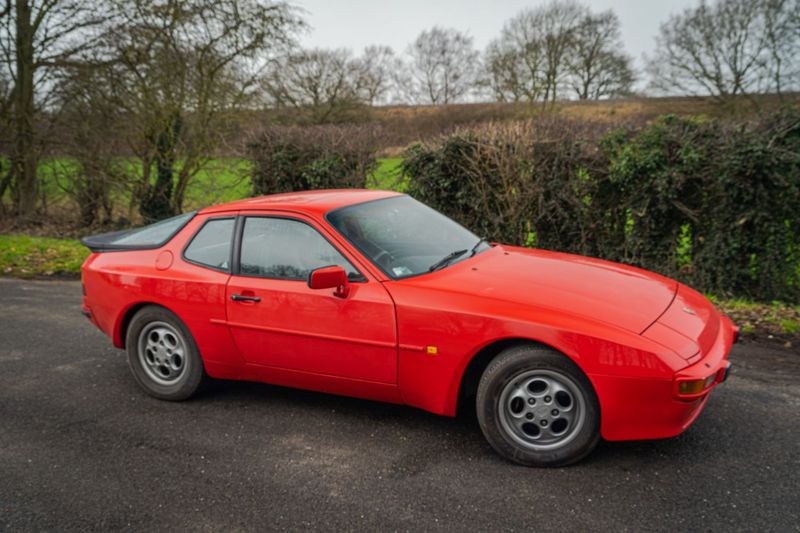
(536, 407)
(162, 355)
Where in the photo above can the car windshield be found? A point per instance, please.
(405, 237)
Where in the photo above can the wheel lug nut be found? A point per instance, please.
(554, 412)
(529, 416)
(543, 423)
(531, 401)
(547, 399)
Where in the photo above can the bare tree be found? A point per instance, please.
(5, 128)
(90, 129)
(558, 22)
(597, 66)
(36, 38)
(376, 70)
(326, 83)
(444, 66)
(782, 35)
(530, 58)
(176, 70)
(511, 74)
(728, 48)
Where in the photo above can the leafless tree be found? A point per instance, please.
(444, 66)
(782, 35)
(376, 70)
(511, 74)
(36, 38)
(597, 65)
(326, 83)
(89, 128)
(728, 48)
(530, 58)
(5, 128)
(176, 70)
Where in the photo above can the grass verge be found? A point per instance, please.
(27, 257)
(775, 319)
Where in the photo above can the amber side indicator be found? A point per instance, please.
(694, 386)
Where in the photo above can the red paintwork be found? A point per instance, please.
(626, 328)
(329, 278)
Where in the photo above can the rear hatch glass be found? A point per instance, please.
(154, 235)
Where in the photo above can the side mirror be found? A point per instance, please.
(330, 277)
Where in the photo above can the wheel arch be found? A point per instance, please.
(471, 375)
(124, 320)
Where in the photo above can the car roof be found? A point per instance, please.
(310, 202)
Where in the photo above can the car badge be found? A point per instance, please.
(690, 311)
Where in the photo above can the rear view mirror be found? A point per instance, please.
(330, 277)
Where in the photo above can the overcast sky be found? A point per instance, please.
(355, 24)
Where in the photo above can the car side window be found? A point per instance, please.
(287, 249)
(211, 246)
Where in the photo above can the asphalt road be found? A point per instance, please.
(81, 448)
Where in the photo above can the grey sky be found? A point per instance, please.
(355, 24)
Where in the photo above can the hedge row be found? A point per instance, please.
(714, 203)
(290, 158)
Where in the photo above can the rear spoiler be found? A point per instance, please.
(110, 242)
(104, 242)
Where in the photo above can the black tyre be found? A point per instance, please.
(537, 408)
(162, 355)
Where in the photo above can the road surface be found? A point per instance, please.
(81, 447)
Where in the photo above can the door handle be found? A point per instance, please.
(241, 298)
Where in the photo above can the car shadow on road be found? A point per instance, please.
(461, 434)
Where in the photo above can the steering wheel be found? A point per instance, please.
(382, 254)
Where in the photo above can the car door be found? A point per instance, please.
(276, 320)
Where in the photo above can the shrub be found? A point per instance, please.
(517, 182)
(712, 202)
(316, 157)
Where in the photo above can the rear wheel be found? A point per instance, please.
(162, 355)
(537, 408)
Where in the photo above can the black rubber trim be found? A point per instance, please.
(237, 244)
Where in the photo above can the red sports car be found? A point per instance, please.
(374, 295)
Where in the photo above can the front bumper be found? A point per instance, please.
(642, 408)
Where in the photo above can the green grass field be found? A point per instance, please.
(388, 175)
(220, 180)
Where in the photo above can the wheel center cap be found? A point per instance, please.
(161, 354)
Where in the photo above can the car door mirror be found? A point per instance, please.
(330, 277)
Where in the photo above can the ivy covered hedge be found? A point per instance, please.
(712, 202)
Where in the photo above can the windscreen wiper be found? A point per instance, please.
(477, 244)
(444, 261)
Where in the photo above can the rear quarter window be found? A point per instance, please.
(211, 245)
